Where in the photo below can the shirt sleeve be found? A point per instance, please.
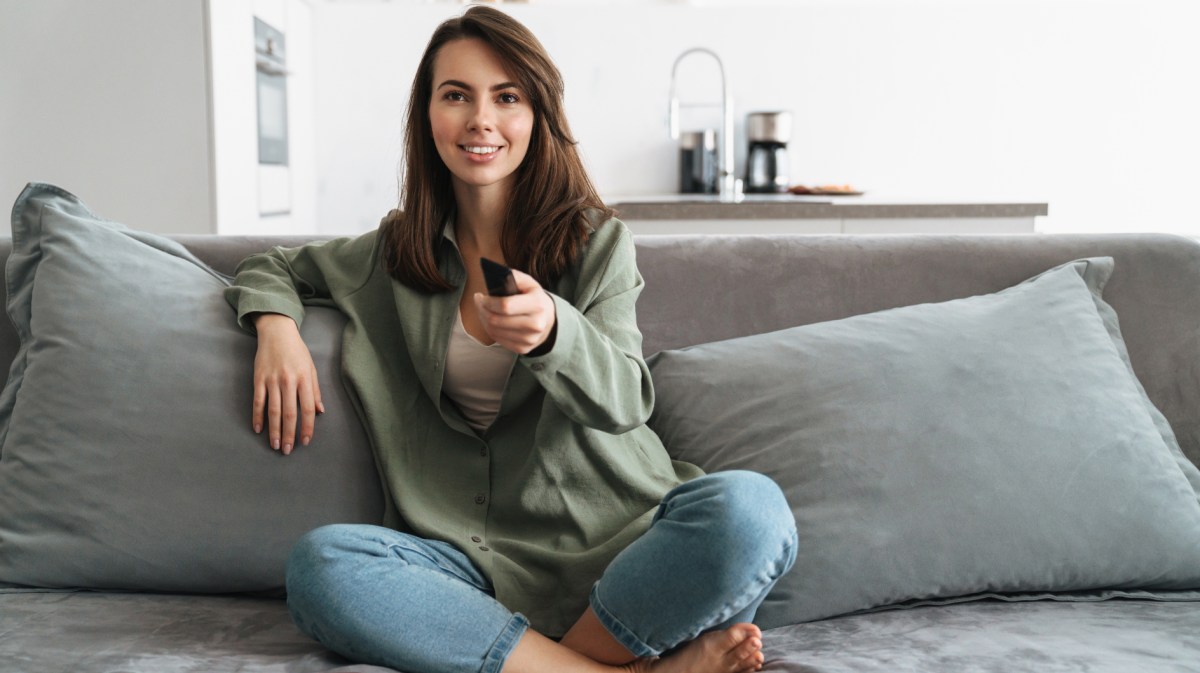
(595, 372)
(284, 280)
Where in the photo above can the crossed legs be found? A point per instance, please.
(680, 598)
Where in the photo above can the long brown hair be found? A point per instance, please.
(546, 222)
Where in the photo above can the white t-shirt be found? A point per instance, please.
(475, 375)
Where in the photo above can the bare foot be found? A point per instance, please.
(737, 649)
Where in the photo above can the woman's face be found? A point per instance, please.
(481, 121)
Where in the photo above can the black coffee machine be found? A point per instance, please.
(698, 169)
(767, 166)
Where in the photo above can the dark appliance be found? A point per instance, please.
(767, 166)
(698, 162)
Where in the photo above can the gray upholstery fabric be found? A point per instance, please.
(201, 634)
(118, 632)
(706, 288)
(128, 460)
(1116, 636)
(993, 443)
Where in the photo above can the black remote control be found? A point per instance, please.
(498, 278)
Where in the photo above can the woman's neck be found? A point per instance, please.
(479, 218)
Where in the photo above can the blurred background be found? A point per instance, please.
(285, 116)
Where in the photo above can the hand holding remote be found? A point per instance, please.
(517, 313)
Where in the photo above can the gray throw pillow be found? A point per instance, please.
(127, 460)
(995, 444)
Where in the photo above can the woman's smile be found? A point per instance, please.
(480, 153)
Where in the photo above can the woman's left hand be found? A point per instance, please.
(519, 322)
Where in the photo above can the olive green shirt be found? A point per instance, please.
(567, 475)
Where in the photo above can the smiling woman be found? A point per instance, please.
(460, 69)
(537, 523)
(481, 127)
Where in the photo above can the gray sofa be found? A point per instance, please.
(706, 289)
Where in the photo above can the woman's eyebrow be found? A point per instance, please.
(468, 87)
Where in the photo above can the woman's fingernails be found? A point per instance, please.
(304, 440)
(287, 448)
(257, 428)
(275, 443)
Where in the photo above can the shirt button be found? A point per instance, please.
(537, 366)
(484, 549)
(480, 499)
(475, 538)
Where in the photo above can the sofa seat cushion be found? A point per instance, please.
(86, 632)
(90, 632)
(1116, 636)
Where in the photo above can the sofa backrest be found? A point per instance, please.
(706, 288)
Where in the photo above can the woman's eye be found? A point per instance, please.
(454, 95)
(509, 98)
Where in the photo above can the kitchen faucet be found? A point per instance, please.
(728, 187)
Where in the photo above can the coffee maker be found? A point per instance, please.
(767, 165)
(698, 166)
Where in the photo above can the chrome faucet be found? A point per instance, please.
(727, 183)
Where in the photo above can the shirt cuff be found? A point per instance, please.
(566, 325)
(250, 304)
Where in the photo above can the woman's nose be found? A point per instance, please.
(482, 117)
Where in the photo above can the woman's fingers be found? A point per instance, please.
(288, 418)
(308, 411)
(520, 322)
(258, 408)
(285, 375)
(274, 408)
(317, 394)
(285, 406)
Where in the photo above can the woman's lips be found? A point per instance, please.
(480, 153)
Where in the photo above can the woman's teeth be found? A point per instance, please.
(480, 150)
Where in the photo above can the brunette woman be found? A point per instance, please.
(534, 522)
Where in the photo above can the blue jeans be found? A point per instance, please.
(374, 595)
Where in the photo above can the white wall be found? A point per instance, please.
(1090, 105)
(109, 100)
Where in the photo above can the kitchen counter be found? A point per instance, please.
(785, 213)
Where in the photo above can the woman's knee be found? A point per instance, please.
(748, 506)
(316, 548)
(320, 556)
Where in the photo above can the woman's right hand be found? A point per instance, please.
(285, 383)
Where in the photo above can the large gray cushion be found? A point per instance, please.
(127, 459)
(998, 443)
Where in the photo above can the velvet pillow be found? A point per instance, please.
(997, 444)
(127, 460)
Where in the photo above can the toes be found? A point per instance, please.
(752, 663)
(740, 633)
(753, 658)
(748, 647)
(747, 656)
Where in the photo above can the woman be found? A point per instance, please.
(525, 488)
